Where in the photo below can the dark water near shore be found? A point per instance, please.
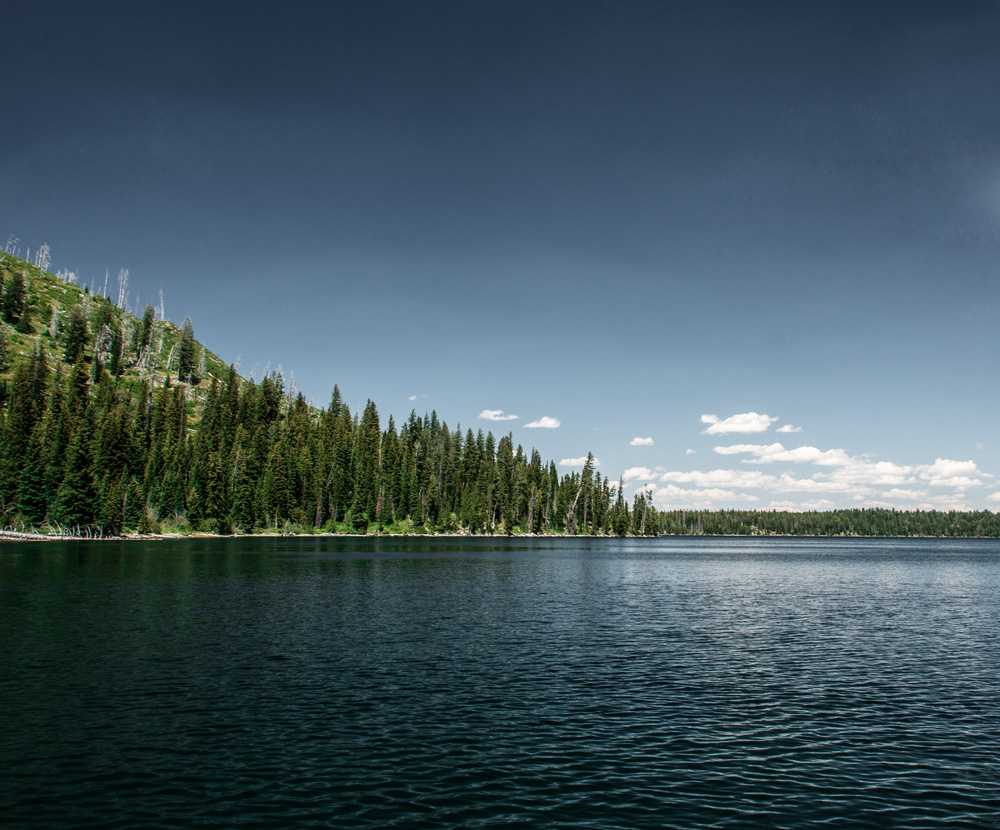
(537, 683)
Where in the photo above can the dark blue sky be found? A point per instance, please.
(621, 216)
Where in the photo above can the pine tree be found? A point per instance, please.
(134, 506)
(76, 335)
(31, 499)
(15, 297)
(366, 466)
(186, 364)
(24, 412)
(111, 516)
(76, 500)
(146, 328)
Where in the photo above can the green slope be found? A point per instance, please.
(47, 293)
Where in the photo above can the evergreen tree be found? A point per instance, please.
(76, 501)
(76, 334)
(186, 364)
(31, 494)
(146, 327)
(134, 506)
(24, 412)
(15, 297)
(366, 468)
(24, 325)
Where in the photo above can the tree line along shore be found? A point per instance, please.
(114, 423)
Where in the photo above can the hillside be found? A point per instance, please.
(113, 423)
(50, 305)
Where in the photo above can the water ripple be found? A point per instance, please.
(621, 685)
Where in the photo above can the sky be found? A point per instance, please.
(744, 253)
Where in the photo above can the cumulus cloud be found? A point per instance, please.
(689, 452)
(817, 504)
(497, 415)
(577, 462)
(720, 478)
(786, 483)
(768, 453)
(898, 494)
(947, 473)
(815, 478)
(545, 422)
(641, 442)
(880, 473)
(744, 423)
(671, 496)
(797, 507)
(416, 397)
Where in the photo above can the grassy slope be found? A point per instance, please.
(46, 291)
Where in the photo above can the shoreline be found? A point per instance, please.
(21, 536)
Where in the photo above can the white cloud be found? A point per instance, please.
(416, 397)
(545, 422)
(802, 507)
(672, 496)
(880, 473)
(641, 442)
(945, 501)
(904, 495)
(689, 452)
(790, 484)
(814, 478)
(768, 453)
(496, 415)
(744, 423)
(577, 462)
(720, 478)
(817, 504)
(947, 473)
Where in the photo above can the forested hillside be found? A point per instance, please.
(114, 423)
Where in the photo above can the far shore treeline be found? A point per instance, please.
(116, 423)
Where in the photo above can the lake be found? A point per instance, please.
(476, 683)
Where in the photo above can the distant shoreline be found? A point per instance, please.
(17, 536)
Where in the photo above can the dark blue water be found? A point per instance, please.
(455, 683)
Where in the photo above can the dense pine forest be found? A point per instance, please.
(115, 423)
(859, 522)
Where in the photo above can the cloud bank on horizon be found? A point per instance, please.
(822, 479)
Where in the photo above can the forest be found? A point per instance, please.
(116, 423)
(113, 423)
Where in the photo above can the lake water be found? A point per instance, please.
(492, 683)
